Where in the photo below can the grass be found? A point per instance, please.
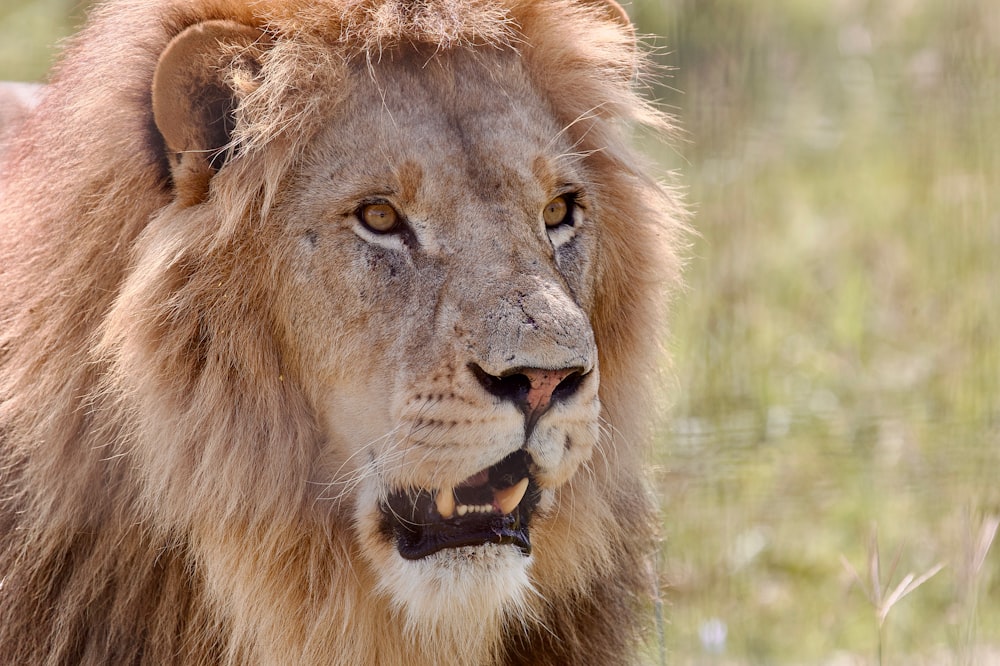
(837, 352)
(29, 29)
(882, 596)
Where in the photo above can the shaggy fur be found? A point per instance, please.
(16, 101)
(211, 374)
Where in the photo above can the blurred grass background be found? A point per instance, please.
(837, 358)
(837, 355)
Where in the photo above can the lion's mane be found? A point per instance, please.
(116, 498)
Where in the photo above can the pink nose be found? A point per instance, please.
(543, 385)
(532, 389)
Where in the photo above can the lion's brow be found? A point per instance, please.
(410, 176)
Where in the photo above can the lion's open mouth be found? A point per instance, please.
(492, 506)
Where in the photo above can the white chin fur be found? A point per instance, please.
(473, 590)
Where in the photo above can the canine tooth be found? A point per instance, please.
(445, 501)
(508, 498)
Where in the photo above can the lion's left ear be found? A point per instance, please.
(195, 96)
(615, 11)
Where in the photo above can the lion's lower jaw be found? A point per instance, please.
(461, 596)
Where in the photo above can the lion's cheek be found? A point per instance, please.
(334, 323)
(560, 453)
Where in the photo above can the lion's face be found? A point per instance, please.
(440, 251)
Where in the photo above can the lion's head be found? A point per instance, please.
(341, 336)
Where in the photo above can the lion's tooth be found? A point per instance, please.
(508, 498)
(445, 501)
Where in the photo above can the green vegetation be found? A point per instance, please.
(29, 32)
(837, 355)
(837, 358)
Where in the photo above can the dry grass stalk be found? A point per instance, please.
(882, 598)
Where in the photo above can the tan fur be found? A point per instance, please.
(16, 102)
(211, 374)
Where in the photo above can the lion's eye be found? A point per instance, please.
(558, 212)
(379, 217)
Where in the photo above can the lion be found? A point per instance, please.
(328, 332)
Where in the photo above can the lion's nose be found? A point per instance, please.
(534, 390)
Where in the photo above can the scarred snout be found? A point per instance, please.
(536, 348)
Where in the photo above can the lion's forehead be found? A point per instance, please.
(459, 86)
(464, 121)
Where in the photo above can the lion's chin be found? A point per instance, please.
(468, 588)
(457, 558)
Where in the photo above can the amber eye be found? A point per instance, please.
(379, 217)
(558, 211)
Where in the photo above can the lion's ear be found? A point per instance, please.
(616, 12)
(195, 97)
